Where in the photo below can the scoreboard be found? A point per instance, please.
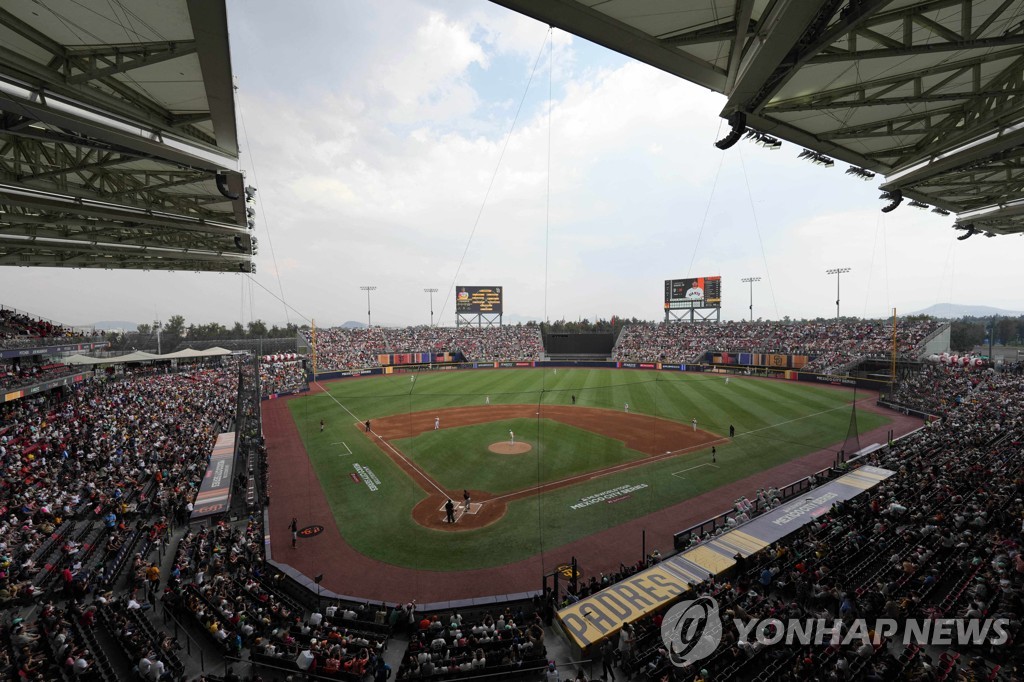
(693, 292)
(478, 300)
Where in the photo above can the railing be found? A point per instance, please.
(681, 539)
(180, 629)
(40, 317)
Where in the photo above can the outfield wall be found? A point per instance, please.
(732, 370)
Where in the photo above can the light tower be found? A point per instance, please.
(751, 280)
(368, 289)
(431, 292)
(837, 272)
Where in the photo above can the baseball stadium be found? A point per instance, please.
(500, 494)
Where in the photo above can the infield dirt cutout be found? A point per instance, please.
(506, 448)
(655, 437)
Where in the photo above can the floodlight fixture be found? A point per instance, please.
(738, 122)
(858, 172)
(895, 198)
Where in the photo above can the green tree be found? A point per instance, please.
(257, 329)
(1006, 331)
(964, 335)
(175, 326)
(238, 331)
(144, 328)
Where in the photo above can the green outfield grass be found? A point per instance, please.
(775, 421)
(458, 457)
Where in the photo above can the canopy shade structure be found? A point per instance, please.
(118, 146)
(928, 93)
(142, 356)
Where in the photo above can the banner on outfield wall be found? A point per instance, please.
(603, 614)
(777, 360)
(638, 365)
(386, 359)
(859, 382)
(344, 374)
(215, 492)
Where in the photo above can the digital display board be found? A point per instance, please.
(693, 292)
(478, 300)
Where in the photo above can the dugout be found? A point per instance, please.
(578, 346)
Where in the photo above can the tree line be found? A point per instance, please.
(176, 331)
(970, 332)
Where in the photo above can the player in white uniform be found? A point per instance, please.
(437, 423)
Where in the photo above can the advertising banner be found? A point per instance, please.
(215, 492)
(603, 614)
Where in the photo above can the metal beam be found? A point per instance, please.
(22, 196)
(57, 245)
(890, 101)
(930, 48)
(613, 34)
(86, 64)
(779, 33)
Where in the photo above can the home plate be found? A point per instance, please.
(474, 508)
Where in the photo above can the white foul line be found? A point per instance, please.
(390, 447)
(683, 471)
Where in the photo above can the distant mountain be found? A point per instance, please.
(119, 325)
(352, 324)
(954, 311)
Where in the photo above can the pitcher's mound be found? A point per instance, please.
(506, 448)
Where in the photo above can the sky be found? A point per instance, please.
(420, 144)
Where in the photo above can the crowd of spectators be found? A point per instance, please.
(87, 479)
(449, 646)
(343, 348)
(837, 343)
(943, 538)
(17, 374)
(18, 329)
(282, 377)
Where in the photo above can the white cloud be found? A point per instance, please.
(374, 146)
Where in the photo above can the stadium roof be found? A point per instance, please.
(118, 146)
(929, 94)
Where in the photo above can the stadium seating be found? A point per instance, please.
(836, 345)
(341, 348)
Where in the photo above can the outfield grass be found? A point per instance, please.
(775, 421)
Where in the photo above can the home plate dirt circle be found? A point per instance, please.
(506, 448)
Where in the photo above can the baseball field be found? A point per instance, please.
(540, 468)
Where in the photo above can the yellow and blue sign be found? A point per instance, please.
(603, 614)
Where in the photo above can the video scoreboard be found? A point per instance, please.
(693, 292)
(478, 300)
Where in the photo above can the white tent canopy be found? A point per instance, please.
(142, 356)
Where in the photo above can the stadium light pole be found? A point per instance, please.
(369, 322)
(751, 280)
(837, 272)
(431, 292)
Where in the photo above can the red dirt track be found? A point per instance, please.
(296, 492)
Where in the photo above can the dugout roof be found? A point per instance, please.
(928, 93)
(115, 120)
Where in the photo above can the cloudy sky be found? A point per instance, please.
(373, 132)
